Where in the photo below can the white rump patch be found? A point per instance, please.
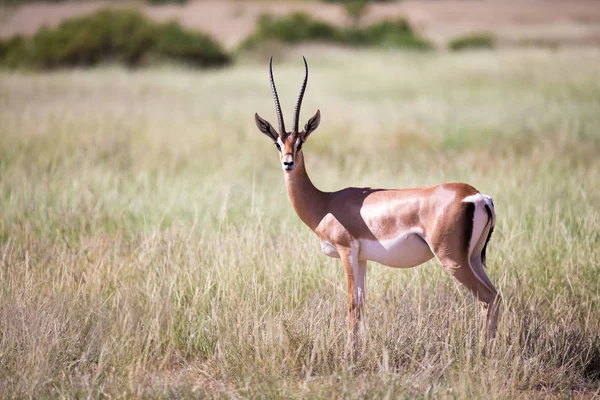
(474, 198)
(488, 200)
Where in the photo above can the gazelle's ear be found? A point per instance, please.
(311, 125)
(265, 127)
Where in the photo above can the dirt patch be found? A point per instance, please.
(512, 21)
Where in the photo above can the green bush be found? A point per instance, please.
(11, 49)
(110, 36)
(391, 33)
(295, 28)
(123, 36)
(472, 41)
(301, 27)
(194, 48)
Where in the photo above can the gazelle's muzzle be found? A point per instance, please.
(288, 163)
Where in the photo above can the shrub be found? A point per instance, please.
(11, 50)
(110, 36)
(296, 27)
(472, 41)
(194, 48)
(300, 27)
(392, 33)
(293, 28)
(122, 36)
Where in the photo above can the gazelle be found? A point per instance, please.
(400, 228)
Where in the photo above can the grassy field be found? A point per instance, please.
(147, 246)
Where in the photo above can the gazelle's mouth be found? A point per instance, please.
(289, 167)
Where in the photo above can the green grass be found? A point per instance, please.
(147, 247)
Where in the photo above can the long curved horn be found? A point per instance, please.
(276, 98)
(300, 97)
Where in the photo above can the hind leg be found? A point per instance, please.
(458, 244)
(464, 263)
(460, 268)
(490, 310)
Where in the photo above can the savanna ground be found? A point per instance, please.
(147, 246)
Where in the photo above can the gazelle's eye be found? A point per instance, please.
(299, 146)
(277, 145)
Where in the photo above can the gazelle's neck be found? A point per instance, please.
(308, 201)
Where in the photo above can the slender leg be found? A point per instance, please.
(460, 269)
(360, 295)
(355, 276)
(463, 260)
(490, 310)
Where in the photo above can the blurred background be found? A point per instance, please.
(236, 25)
(147, 244)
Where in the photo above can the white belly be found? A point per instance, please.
(405, 251)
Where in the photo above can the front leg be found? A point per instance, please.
(356, 271)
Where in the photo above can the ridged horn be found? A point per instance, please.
(300, 97)
(276, 98)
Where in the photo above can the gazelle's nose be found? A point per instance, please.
(288, 162)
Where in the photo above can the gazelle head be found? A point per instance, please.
(289, 144)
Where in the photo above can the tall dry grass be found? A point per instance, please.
(147, 247)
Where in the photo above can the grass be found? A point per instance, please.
(147, 247)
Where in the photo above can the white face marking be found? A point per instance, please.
(280, 142)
